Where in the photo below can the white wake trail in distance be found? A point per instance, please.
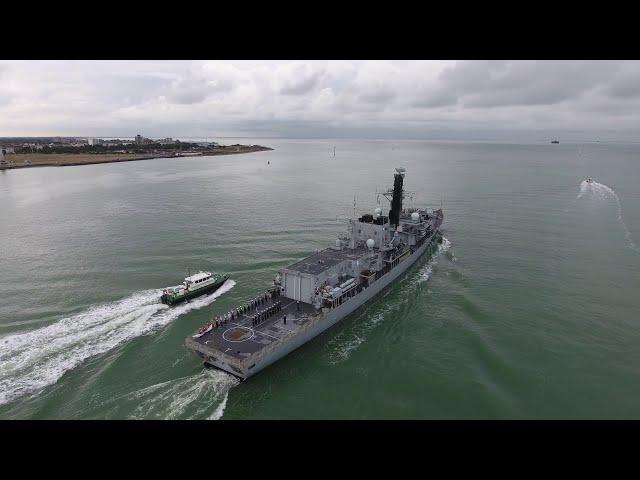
(33, 360)
(604, 192)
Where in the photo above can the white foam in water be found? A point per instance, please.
(219, 411)
(187, 397)
(346, 343)
(603, 191)
(427, 270)
(33, 360)
(344, 347)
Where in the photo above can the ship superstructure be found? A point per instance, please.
(316, 292)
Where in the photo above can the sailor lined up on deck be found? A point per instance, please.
(264, 314)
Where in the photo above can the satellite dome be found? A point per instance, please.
(370, 243)
(415, 216)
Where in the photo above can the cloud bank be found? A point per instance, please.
(371, 99)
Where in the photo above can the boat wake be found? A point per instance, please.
(185, 398)
(36, 359)
(427, 270)
(347, 341)
(605, 192)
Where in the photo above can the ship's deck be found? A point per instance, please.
(241, 339)
(327, 258)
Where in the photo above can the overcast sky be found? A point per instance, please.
(306, 99)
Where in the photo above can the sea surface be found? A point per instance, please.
(529, 309)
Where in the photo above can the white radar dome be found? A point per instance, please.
(370, 243)
(415, 216)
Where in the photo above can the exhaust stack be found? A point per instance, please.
(396, 201)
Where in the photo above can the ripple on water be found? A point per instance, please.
(349, 339)
(33, 360)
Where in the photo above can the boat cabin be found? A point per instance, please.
(197, 279)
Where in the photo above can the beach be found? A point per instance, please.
(27, 160)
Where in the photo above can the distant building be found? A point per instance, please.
(95, 141)
(140, 140)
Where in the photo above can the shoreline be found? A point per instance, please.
(68, 160)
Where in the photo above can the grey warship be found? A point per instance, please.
(315, 293)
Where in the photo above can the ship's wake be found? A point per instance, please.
(348, 340)
(203, 395)
(604, 192)
(427, 270)
(36, 359)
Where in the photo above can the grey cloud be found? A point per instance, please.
(377, 95)
(317, 98)
(192, 89)
(127, 89)
(627, 84)
(435, 99)
(480, 84)
(302, 85)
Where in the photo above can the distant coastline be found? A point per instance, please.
(30, 160)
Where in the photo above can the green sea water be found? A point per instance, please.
(529, 309)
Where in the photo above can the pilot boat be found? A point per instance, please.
(193, 286)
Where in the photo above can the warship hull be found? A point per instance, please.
(320, 323)
(313, 294)
(339, 313)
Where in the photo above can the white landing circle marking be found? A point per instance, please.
(224, 334)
